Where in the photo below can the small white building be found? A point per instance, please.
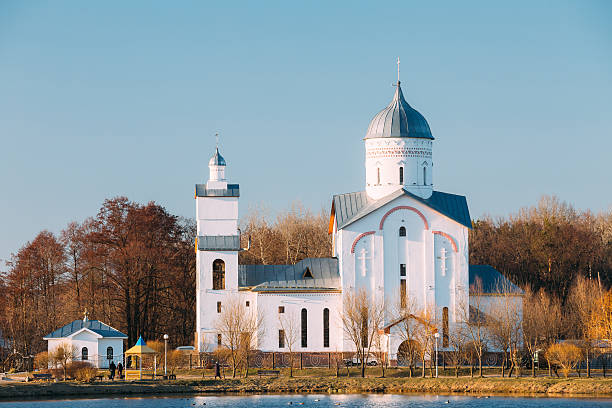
(94, 342)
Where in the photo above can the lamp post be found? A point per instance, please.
(166, 337)
(437, 336)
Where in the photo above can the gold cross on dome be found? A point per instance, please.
(398, 69)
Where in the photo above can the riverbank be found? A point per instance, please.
(470, 386)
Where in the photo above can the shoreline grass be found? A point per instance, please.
(593, 387)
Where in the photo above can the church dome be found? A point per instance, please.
(399, 119)
(217, 159)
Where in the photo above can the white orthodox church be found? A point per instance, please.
(398, 238)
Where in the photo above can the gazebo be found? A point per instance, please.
(139, 350)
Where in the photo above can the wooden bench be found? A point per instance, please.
(46, 377)
(268, 373)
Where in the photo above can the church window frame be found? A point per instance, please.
(403, 293)
(109, 353)
(219, 339)
(424, 176)
(326, 327)
(281, 309)
(402, 269)
(378, 176)
(304, 328)
(402, 231)
(218, 274)
(401, 175)
(84, 354)
(281, 338)
(218, 307)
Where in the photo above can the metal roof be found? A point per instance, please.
(270, 278)
(232, 190)
(399, 119)
(95, 326)
(492, 280)
(219, 243)
(217, 159)
(353, 206)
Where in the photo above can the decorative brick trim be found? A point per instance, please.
(452, 241)
(358, 238)
(403, 207)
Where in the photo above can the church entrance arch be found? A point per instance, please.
(408, 353)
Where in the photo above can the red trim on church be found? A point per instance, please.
(403, 207)
(444, 234)
(358, 238)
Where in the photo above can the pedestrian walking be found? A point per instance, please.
(217, 370)
(112, 367)
(120, 370)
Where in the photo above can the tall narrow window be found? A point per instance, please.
(402, 231)
(218, 307)
(281, 309)
(424, 176)
(364, 330)
(304, 328)
(326, 327)
(84, 354)
(445, 327)
(402, 269)
(109, 353)
(218, 274)
(219, 339)
(281, 338)
(378, 176)
(401, 175)
(403, 293)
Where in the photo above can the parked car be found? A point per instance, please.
(185, 348)
(355, 361)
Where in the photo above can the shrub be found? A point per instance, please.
(81, 370)
(565, 355)
(41, 361)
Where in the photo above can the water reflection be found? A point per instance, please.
(317, 401)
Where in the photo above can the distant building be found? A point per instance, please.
(93, 341)
(397, 239)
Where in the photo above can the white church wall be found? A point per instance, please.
(103, 345)
(293, 304)
(217, 215)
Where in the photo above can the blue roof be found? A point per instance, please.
(232, 190)
(493, 282)
(350, 207)
(140, 342)
(217, 159)
(219, 243)
(399, 119)
(95, 326)
(270, 278)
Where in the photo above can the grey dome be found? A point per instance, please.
(398, 119)
(217, 159)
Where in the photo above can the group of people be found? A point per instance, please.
(112, 368)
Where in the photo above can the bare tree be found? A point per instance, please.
(405, 325)
(424, 335)
(458, 339)
(289, 324)
(239, 328)
(362, 317)
(475, 320)
(503, 321)
(63, 355)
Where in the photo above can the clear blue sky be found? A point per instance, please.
(99, 99)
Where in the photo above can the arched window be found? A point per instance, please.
(402, 231)
(84, 354)
(445, 327)
(109, 353)
(218, 274)
(401, 175)
(326, 327)
(304, 328)
(378, 175)
(424, 176)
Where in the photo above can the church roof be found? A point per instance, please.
(95, 326)
(219, 243)
(350, 207)
(310, 274)
(399, 119)
(232, 190)
(217, 159)
(493, 282)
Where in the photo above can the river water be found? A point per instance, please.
(317, 401)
